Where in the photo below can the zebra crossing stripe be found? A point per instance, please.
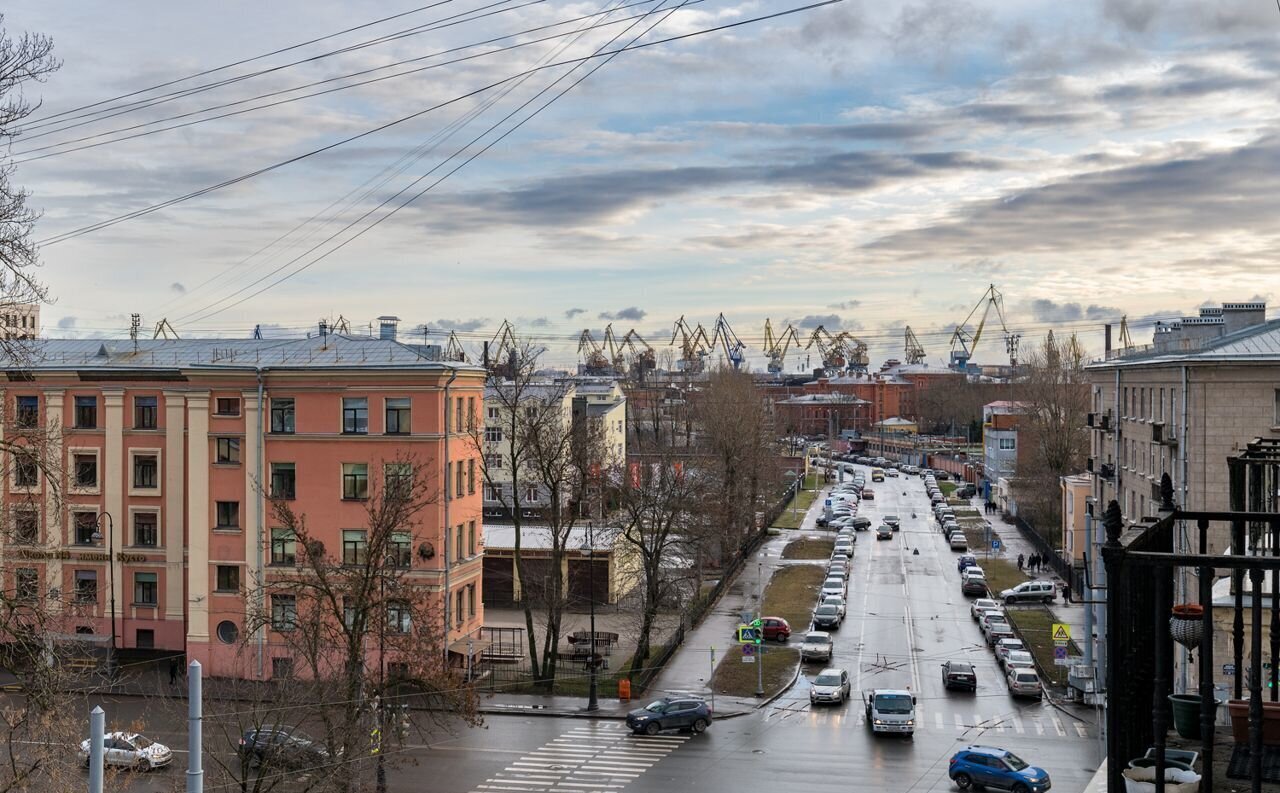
(582, 760)
(1081, 731)
(1039, 726)
(1057, 725)
(959, 722)
(937, 717)
(1017, 725)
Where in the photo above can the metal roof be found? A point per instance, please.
(332, 351)
(1256, 344)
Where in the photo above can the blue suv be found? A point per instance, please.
(986, 766)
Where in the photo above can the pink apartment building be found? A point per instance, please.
(164, 444)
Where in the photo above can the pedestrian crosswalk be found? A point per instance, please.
(1044, 723)
(593, 758)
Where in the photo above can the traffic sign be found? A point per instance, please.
(748, 653)
(1074, 660)
(1228, 670)
(1061, 633)
(1059, 652)
(995, 545)
(748, 635)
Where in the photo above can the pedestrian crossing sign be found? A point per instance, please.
(1061, 633)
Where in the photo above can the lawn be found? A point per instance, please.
(947, 488)
(1001, 574)
(809, 549)
(734, 678)
(792, 594)
(1035, 625)
(792, 516)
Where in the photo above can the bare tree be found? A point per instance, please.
(23, 61)
(363, 622)
(1052, 434)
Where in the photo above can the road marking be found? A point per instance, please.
(583, 759)
(937, 717)
(978, 720)
(999, 725)
(1081, 731)
(1057, 725)
(1017, 725)
(959, 722)
(1039, 726)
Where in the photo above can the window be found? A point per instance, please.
(398, 616)
(228, 633)
(145, 412)
(1124, 401)
(471, 477)
(458, 547)
(401, 551)
(399, 479)
(493, 492)
(1276, 420)
(531, 494)
(228, 578)
(85, 469)
(493, 462)
(348, 614)
(228, 451)
(228, 514)
(398, 416)
(471, 413)
(146, 529)
(284, 547)
(492, 413)
(27, 412)
(86, 523)
(493, 434)
(86, 586)
(1008, 444)
(226, 406)
(25, 471)
(284, 615)
(282, 668)
(355, 546)
(355, 415)
(26, 526)
(144, 589)
(355, 480)
(457, 611)
(26, 583)
(283, 481)
(471, 538)
(145, 639)
(282, 416)
(145, 471)
(471, 600)
(457, 477)
(86, 413)
(457, 414)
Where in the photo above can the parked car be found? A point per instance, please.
(965, 561)
(991, 618)
(838, 567)
(884, 532)
(1023, 682)
(834, 585)
(1030, 591)
(1003, 647)
(827, 617)
(982, 604)
(974, 585)
(831, 685)
(998, 631)
(967, 491)
(868, 495)
(893, 521)
(816, 646)
(1019, 658)
(835, 600)
(861, 524)
(282, 747)
(959, 674)
(958, 542)
(987, 766)
(671, 713)
(776, 629)
(129, 750)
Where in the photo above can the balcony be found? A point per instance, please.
(1233, 635)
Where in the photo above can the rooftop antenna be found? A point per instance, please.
(135, 322)
(163, 328)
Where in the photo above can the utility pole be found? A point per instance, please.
(111, 580)
(759, 645)
(97, 730)
(592, 703)
(195, 729)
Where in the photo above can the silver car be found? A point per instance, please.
(1023, 683)
(816, 646)
(831, 685)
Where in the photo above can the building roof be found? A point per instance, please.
(895, 421)
(537, 537)
(332, 351)
(823, 399)
(1257, 344)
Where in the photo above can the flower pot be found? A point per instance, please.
(1185, 626)
(1176, 780)
(1239, 711)
(1186, 714)
(1150, 762)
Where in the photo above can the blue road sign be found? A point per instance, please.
(1229, 670)
(1059, 652)
(995, 545)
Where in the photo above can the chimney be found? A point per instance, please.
(387, 328)
(1106, 339)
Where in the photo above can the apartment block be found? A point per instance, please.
(160, 530)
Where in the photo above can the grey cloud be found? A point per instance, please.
(459, 324)
(1134, 15)
(631, 312)
(539, 322)
(983, 264)
(573, 312)
(846, 305)
(68, 323)
(178, 288)
(932, 29)
(1045, 310)
(828, 321)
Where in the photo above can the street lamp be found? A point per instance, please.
(590, 547)
(111, 574)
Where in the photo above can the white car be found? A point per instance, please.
(816, 646)
(1043, 591)
(835, 600)
(834, 585)
(1003, 647)
(982, 604)
(958, 542)
(1019, 659)
(130, 750)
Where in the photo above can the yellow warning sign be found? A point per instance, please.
(1061, 633)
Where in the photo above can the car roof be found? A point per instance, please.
(832, 670)
(960, 664)
(990, 751)
(817, 634)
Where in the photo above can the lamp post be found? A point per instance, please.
(592, 703)
(111, 574)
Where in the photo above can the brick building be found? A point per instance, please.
(165, 444)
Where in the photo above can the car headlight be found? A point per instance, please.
(911, 722)
(879, 722)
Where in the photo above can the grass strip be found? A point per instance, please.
(792, 594)
(1035, 625)
(736, 679)
(809, 549)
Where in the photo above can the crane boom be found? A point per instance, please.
(968, 342)
(729, 341)
(914, 349)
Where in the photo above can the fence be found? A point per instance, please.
(1066, 570)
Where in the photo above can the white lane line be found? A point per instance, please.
(518, 781)
(593, 771)
(1081, 731)
(959, 722)
(977, 718)
(593, 784)
(1039, 725)
(1057, 725)
(1017, 725)
(501, 787)
(937, 717)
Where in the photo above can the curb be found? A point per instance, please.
(784, 689)
(542, 711)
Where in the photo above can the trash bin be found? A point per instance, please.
(624, 690)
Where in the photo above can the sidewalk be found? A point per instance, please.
(690, 668)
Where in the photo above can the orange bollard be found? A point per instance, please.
(624, 690)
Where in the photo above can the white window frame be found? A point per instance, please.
(72, 487)
(159, 528)
(146, 492)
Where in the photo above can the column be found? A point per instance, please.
(198, 517)
(175, 535)
(114, 471)
(55, 458)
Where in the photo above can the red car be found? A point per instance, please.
(776, 629)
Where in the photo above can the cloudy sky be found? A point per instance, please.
(862, 166)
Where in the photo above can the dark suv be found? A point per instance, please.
(284, 747)
(671, 713)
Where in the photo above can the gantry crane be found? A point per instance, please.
(776, 348)
(694, 346)
(594, 361)
(453, 350)
(856, 357)
(728, 341)
(1126, 341)
(915, 350)
(643, 358)
(615, 351)
(831, 348)
(963, 342)
(502, 354)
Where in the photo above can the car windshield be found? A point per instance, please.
(828, 611)
(960, 668)
(893, 703)
(657, 706)
(817, 638)
(142, 743)
(827, 680)
(1019, 655)
(1015, 762)
(890, 518)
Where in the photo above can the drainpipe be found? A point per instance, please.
(448, 595)
(258, 465)
(1182, 536)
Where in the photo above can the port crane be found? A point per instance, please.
(914, 350)
(728, 341)
(964, 341)
(643, 358)
(830, 347)
(776, 347)
(594, 361)
(694, 346)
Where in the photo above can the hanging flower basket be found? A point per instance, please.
(1185, 626)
